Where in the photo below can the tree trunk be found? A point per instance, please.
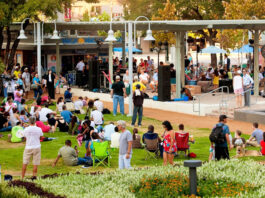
(1, 39)
(8, 41)
(212, 42)
(14, 48)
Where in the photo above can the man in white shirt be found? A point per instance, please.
(144, 77)
(247, 83)
(26, 80)
(79, 105)
(33, 147)
(97, 117)
(80, 66)
(44, 112)
(108, 131)
(98, 104)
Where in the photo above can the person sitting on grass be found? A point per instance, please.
(44, 112)
(108, 130)
(78, 104)
(67, 115)
(262, 144)
(54, 123)
(59, 104)
(68, 95)
(98, 119)
(238, 140)
(256, 136)
(70, 156)
(23, 117)
(16, 133)
(4, 125)
(90, 108)
(44, 128)
(73, 126)
(95, 138)
(136, 139)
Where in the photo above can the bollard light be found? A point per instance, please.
(193, 164)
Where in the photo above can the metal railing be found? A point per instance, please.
(217, 91)
(224, 103)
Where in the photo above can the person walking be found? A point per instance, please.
(169, 143)
(238, 89)
(118, 93)
(125, 146)
(33, 147)
(221, 146)
(138, 100)
(247, 83)
(50, 84)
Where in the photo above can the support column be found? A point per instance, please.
(58, 58)
(123, 48)
(183, 51)
(177, 63)
(256, 63)
(130, 50)
(39, 49)
(110, 63)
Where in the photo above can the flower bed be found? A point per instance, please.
(232, 178)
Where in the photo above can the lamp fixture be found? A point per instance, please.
(22, 35)
(111, 37)
(55, 35)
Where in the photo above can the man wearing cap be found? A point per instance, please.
(26, 80)
(136, 82)
(118, 93)
(221, 150)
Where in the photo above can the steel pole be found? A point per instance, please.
(256, 63)
(178, 64)
(39, 49)
(110, 63)
(130, 51)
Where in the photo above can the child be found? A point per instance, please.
(212, 153)
(23, 117)
(238, 141)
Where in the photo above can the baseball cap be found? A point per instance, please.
(222, 117)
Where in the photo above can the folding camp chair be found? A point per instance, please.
(100, 154)
(152, 148)
(182, 140)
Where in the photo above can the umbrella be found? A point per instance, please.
(213, 50)
(119, 49)
(244, 49)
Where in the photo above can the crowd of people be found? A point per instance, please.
(29, 121)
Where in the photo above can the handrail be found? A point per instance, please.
(225, 102)
(198, 98)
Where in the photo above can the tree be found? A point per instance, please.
(17, 10)
(167, 13)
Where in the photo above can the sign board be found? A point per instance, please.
(52, 62)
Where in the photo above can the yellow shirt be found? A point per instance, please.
(16, 73)
(216, 80)
(142, 86)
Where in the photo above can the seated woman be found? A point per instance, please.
(23, 117)
(16, 133)
(44, 128)
(59, 104)
(54, 123)
(14, 118)
(136, 139)
(68, 95)
(73, 126)
(94, 138)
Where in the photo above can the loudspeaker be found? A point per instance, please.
(94, 78)
(164, 86)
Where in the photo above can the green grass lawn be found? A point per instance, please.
(11, 153)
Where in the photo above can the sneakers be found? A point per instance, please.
(139, 125)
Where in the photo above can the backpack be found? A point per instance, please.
(217, 136)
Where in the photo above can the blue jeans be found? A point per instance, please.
(5, 92)
(139, 111)
(118, 99)
(37, 92)
(6, 129)
(18, 106)
(85, 161)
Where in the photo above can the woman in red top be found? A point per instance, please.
(169, 143)
(262, 144)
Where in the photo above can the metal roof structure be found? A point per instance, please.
(181, 25)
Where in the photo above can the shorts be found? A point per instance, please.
(238, 91)
(34, 153)
(27, 87)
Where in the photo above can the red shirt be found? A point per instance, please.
(262, 144)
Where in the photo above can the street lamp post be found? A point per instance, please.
(159, 49)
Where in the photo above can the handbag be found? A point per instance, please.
(34, 86)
